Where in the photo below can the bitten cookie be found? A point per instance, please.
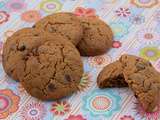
(47, 67)
(10, 44)
(97, 37)
(66, 24)
(143, 79)
(138, 74)
(112, 76)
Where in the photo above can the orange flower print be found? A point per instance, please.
(85, 12)
(31, 16)
(8, 103)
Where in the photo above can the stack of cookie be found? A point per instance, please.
(46, 58)
(136, 73)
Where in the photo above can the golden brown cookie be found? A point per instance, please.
(112, 76)
(48, 67)
(138, 74)
(28, 32)
(97, 37)
(143, 79)
(66, 24)
(10, 43)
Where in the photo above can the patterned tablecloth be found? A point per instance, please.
(136, 27)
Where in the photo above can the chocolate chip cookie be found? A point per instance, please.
(143, 79)
(97, 37)
(10, 64)
(112, 76)
(138, 74)
(47, 67)
(66, 24)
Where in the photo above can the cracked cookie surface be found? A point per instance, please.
(136, 73)
(10, 44)
(97, 37)
(47, 67)
(143, 79)
(66, 24)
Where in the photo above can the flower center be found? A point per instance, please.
(150, 53)
(136, 18)
(33, 112)
(101, 103)
(51, 6)
(60, 108)
(99, 60)
(148, 36)
(3, 103)
(16, 6)
(144, 1)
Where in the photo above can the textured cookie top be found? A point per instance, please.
(27, 32)
(66, 24)
(97, 37)
(47, 67)
(138, 74)
(143, 79)
(11, 45)
(133, 63)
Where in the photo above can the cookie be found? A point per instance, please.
(112, 76)
(136, 73)
(10, 44)
(66, 24)
(49, 68)
(97, 37)
(143, 79)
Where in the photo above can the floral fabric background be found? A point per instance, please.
(136, 27)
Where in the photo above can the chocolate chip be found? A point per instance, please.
(136, 96)
(137, 59)
(36, 34)
(33, 26)
(51, 87)
(150, 64)
(67, 78)
(25, 58)
(22, 48)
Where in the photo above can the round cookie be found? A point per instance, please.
(97, 37)
(47, 67)
(10, 43)
(66, 24)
